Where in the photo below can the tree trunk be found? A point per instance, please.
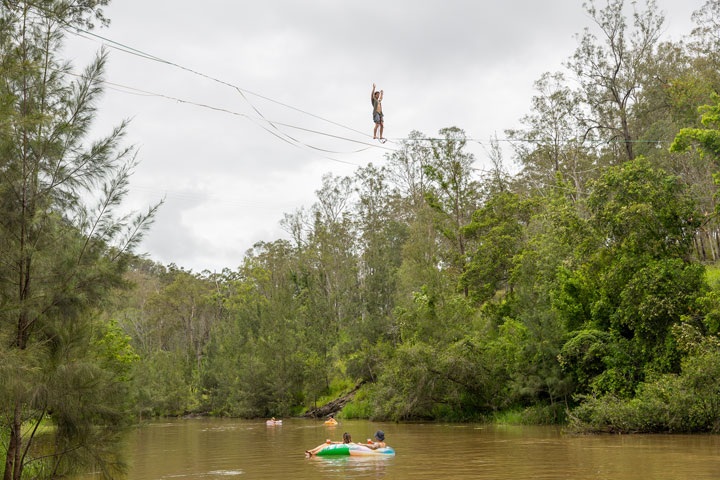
(713, 257)
(628, 138)
(13, 465)
(702, 247)
(333, 406)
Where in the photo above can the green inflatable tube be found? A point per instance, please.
(353, 450)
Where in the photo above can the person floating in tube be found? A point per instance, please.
(380, 437)
(346, 439)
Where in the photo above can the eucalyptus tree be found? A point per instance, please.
(255, 362)
(410, 184)
(701, 144)
(612, 69)
(327, 276)
(59, 254)
(184, 312)
(406, 170)
(705, 38)
(381, 234)
(550, 140)
(454, 193)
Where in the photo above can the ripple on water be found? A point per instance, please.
(227, 429)
(354, 466)
(212, 474)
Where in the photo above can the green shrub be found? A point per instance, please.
(688, 402)
(540, 414)
(358, 409)
(508, 417)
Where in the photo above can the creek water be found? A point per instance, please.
(208, 448)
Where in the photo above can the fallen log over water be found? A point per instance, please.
(333, 406)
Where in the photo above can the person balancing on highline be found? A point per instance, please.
(376, 99)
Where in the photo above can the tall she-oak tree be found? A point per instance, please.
(59, 254)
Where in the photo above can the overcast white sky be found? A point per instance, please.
(226, 181)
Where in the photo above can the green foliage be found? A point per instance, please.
(452, 193)
(611, 68)
(62, 252)
(600, 362)
(684, 402)
(565, 297)
(497, 227)
(686, 93)
(634, 284)
(642, 211)
(115, 351)
(539, 414)
(360, 406)
(161, 387)
(706, 139)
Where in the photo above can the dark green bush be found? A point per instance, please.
(688, 402)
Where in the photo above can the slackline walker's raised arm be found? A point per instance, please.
(376, 100)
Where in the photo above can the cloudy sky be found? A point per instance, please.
(227, 181)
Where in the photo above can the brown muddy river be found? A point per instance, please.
(227, 448)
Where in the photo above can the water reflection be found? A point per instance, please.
(214, 474)
(353, 466)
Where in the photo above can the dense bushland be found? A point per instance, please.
(569, 289)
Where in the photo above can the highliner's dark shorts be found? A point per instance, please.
(378, 117)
